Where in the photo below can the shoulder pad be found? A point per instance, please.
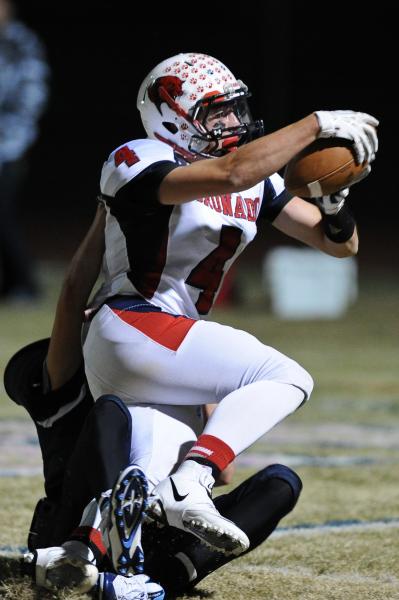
(129, 160)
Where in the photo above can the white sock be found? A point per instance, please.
(246, 414)
(91, 516)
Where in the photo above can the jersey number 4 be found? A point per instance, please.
(125, 155)
(208, 274)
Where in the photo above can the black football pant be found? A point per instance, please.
(101, 450)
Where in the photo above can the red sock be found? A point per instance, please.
(92, 538)
(209, 449)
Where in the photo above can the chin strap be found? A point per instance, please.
(230, 144)
(186, 154)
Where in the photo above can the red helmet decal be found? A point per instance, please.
(170, 84)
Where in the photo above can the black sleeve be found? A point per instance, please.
(272, 203)
(43, 403)
(143, 189)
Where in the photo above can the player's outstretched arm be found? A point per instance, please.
(257, 160)
(239, 170)
(65, 353)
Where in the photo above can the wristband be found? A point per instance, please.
(339, 228)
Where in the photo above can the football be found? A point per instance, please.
(324, 167)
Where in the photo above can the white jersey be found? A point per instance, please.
(174, 256)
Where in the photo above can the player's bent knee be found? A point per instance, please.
(107, 432)
(110, 418)
(309, 385)
(304, 381)
(110, 404)
(286, 474)
(281, 369)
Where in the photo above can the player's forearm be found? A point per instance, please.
(317, 238)
(305, 222)
(64, 355)
(343, 249)
(85, 266)
(239, 170)
(263, 157)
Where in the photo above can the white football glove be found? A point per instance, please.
(357, 127)
(361, 176)
(331, 204)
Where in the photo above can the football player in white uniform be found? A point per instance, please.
(182, 204)
(86, 447)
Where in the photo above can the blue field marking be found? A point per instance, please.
(15, 552)
(300, 528)
(258, 459)
(337, 525)
(251, 460)
(21, 472)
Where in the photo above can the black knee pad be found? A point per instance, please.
(112, 403)
(110, 413)
(101, 452)
(286, 474)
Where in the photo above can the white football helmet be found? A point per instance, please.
(176, 97)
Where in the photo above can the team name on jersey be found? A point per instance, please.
(245, 208)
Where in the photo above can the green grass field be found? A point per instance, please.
(344, 444)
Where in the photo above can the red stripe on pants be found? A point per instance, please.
(167, 330)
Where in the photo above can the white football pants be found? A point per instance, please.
(255, 385)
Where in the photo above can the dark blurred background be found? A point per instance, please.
(295, 57)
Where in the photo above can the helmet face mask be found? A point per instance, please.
(212, 113)
(179, 98)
